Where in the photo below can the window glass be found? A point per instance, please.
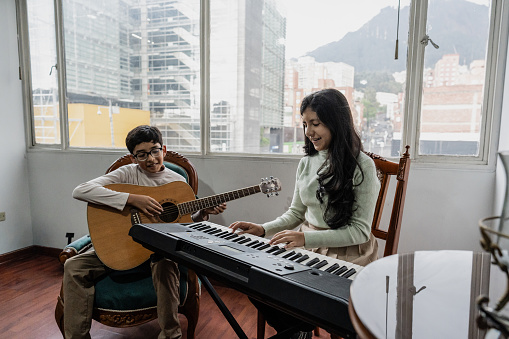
(454, 75)
(267, 55)
(129, 63)
(43, 62)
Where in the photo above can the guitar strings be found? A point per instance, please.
(174, 208)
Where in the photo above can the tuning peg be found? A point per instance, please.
(277, 193)
(268, 195)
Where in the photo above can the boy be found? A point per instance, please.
(80, 272)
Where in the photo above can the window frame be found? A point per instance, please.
(496, 57)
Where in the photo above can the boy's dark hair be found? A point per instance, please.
(141, 134)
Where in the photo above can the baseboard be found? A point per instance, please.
(30, 251)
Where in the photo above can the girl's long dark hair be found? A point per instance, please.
(335, 176)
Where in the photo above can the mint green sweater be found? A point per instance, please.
(305, 205)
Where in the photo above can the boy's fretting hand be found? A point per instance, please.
(216, 209)
(203, 215)
(146, 204)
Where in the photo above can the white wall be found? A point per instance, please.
(441, 212)
(16, 230)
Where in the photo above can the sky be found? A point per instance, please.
(310, 26)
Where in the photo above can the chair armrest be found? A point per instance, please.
(77, 246)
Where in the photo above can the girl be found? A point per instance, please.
(335, 194)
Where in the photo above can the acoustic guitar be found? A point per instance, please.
(109, 227)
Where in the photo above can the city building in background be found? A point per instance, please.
(134, 61)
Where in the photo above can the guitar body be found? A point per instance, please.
(109, 227)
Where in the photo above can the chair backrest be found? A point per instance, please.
(385, 170)
(173, 160)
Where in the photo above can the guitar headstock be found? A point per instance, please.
(270, 186)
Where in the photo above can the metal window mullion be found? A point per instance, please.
(494, 80)
(414, 78)
(26, 76)
(62, 93)
(205, 75)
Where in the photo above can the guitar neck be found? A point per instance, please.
(199, 204)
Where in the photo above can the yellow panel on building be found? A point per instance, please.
(103, 126)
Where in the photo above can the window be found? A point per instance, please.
(451, 111)
(131, 62)
(43, 69)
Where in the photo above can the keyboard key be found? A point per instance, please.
(340, 270)
(252, 243)
(272, 249)
(295, 256)
(288, 255)
(231, 236)
(312, 262)
(264, 246)
(332, 268)
(301, 259)
(321, 264)
(349, 273)
(239, 238)
(257, 246)
(279, 251)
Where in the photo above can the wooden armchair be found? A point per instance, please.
(385, 170)
(127, 298)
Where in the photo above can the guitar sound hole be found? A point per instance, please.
(170, 213)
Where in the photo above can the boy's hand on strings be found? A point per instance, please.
(146, 204)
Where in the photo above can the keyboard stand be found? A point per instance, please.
(226, 312)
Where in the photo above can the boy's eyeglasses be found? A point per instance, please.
(142, 156)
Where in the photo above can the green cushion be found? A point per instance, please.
(80, 243)
(177, 169)
(132, 289)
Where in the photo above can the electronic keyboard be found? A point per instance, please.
(307, 285)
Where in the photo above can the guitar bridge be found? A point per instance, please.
(135, 216)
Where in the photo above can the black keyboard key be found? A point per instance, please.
(272, 249)
(301, 259)
(288, 255)
(252, 243)
(195, 226)
(349, 273)
(340, 270)
(321, 264)
(231, 236)
(332, 268)
(279, 251)
(210, 230)
(264, 246)
(223, 234)
(214, 231)
(243, 241)
(258, 245)
(312, 262)
(239, 238)
(296, 256)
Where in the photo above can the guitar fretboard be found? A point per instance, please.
(199, 204)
